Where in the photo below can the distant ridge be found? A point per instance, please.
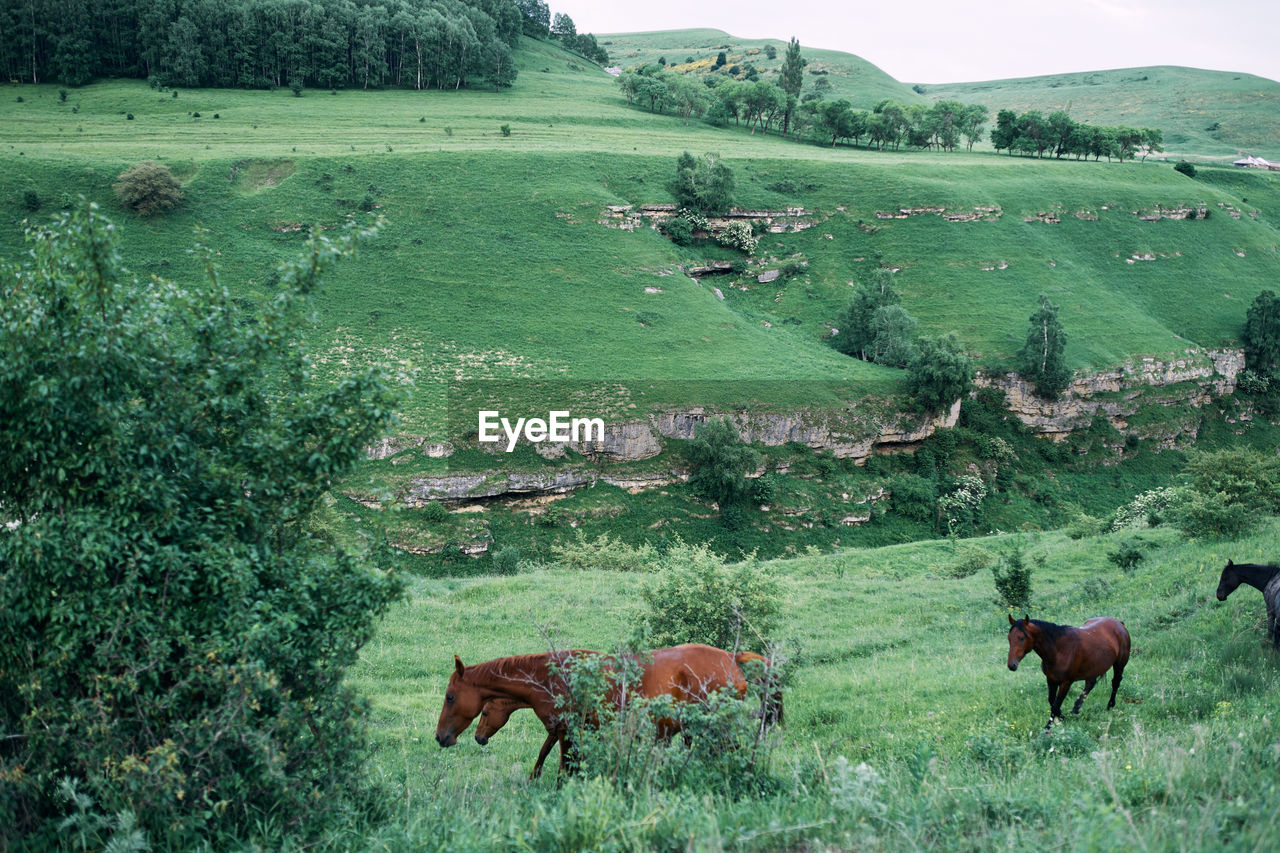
(1214, 114)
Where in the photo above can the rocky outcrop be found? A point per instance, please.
(845, 433)
(1117, 394)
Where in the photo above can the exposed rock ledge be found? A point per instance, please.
(844, 433)
(1207, 373)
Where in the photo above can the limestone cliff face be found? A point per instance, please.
(845, 433)
(1117, 394)
(1192, 378)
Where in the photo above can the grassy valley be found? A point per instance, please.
(500, 277)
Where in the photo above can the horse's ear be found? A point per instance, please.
(1229, 563)
(457, 665)
(1011, 622)
(1026, 619)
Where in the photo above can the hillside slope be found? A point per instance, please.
(1210, 114)
(852, 77)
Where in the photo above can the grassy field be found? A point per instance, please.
(493, 274)
(1216, 115)
(897, 662)
(493, 265)
(850, 76)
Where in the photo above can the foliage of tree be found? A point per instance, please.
(939, 372)
(1261, 337)
(720, 462)
(698, 598)
(266, 43)
(1042, 360)
(792, 79)
(1058, 135)
(893, 336)
(147, 188)
(857, 331)
(703, 184)
(174, 626)
(1185, 168)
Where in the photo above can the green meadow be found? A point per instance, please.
(1212, 115)
(494, 274)
(897, 661)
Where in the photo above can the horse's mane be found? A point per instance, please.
(519, 666)
(1272, 566)
(1051, 630)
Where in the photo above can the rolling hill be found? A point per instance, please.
(1214, 115)
(497, 260)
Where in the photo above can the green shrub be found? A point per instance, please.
(180, 628)
(1013, 579)
(31, 200)
(1127, 554)
(506, 561)
(914, 497)
(720, 461)
(678, 230)
(1185, 168)
(606, 553)
(765, 489)
(698, 598)
(724, 747)
(506, 129)
(972, 561)
(435, 512)
(1210, 515)
(148, 188)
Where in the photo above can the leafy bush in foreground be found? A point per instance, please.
(173, 633)
(698, 598)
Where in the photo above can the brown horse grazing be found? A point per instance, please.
(1071, 654)
(1265, 579)
(688, 673)
(532, 680)
(494, 715)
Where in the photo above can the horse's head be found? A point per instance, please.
(462, 704)
(494, 715)
(1229, 581)
(1022, 639)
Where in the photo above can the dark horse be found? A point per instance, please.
(687, 673)
(1071, 654)
(1263, 578)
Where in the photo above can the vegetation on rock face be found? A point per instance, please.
(704, 184)
(174, 633)
(1042, 359)
(720, 461)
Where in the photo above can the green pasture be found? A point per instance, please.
(1212, 115)
(493, 263)
(899, 663)
(850, 76)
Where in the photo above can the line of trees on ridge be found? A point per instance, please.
(1058, 134)
(767, 106)
(328, 44)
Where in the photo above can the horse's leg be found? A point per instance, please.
(1063, 689)
(1116, 674)
(542, 755)
(1088, 685)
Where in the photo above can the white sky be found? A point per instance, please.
(950, 41)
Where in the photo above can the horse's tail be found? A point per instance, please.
(771, 705)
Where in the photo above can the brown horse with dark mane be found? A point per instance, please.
(1265, 579)
(688, 673)
(1070, 654)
